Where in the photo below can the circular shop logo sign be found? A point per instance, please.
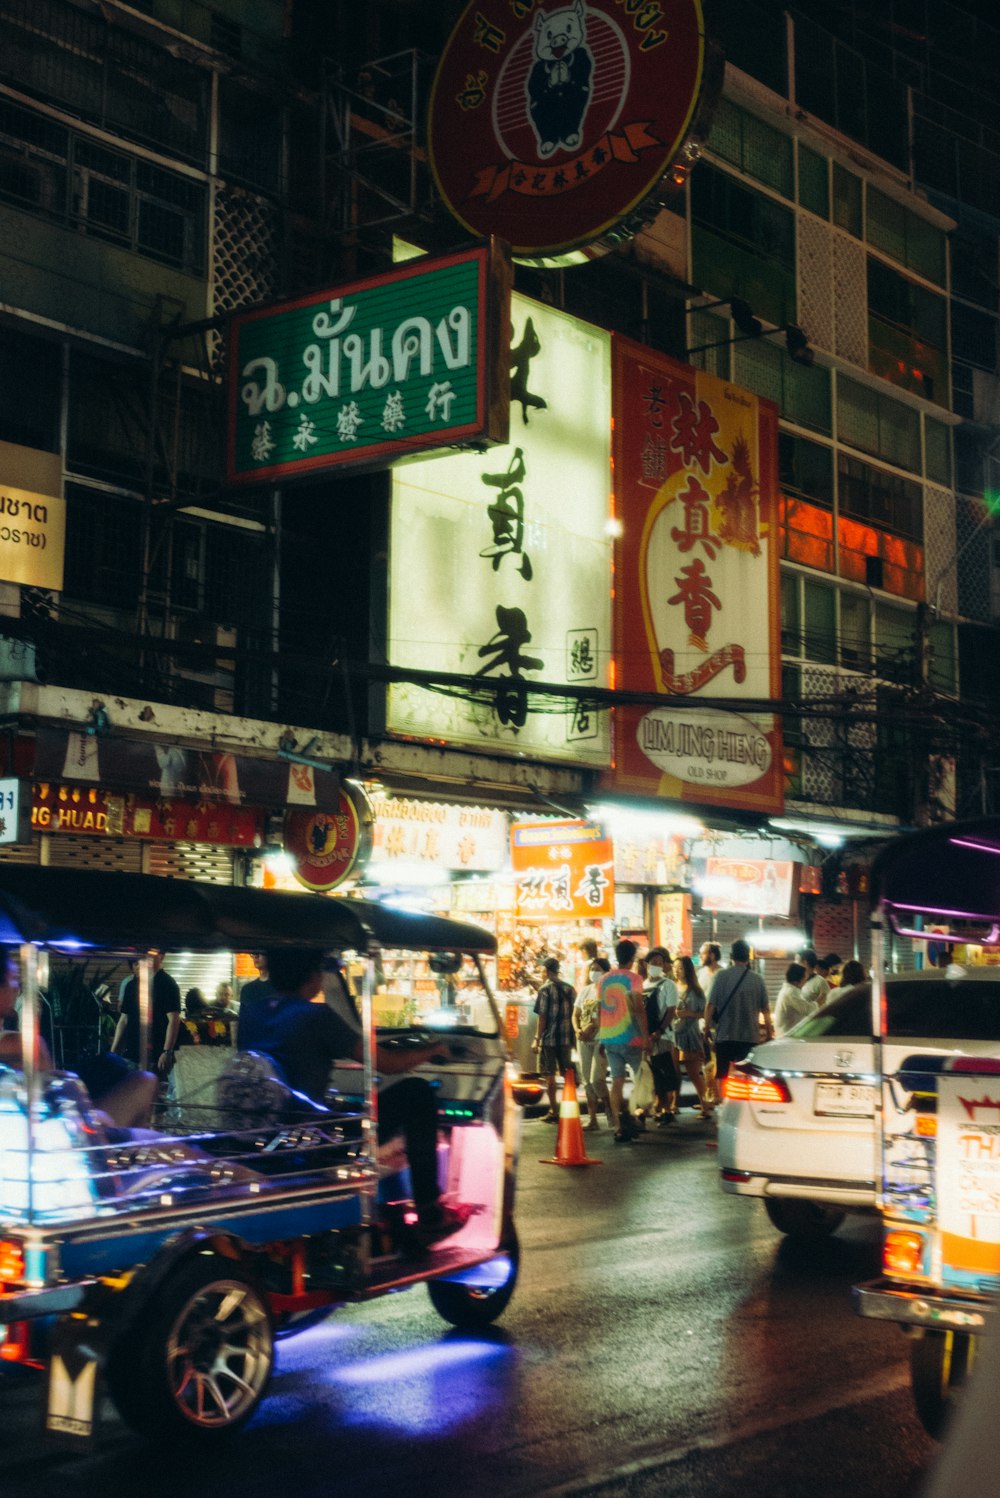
(327, 846)
(551, 124)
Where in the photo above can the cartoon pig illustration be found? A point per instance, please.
(560, 83)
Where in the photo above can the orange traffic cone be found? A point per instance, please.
(569, 1145)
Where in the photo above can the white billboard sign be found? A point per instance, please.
(500, 562)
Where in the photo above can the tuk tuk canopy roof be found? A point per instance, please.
(947, 875)
(73, 909)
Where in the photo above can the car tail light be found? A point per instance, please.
(11, 1262)
(745, 1084)
(902, 1253)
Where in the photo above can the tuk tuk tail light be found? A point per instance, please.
(14, 1347)
(12, 1268)
(902, 1253)
(926, 1126)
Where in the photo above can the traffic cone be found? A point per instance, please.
(569, 1144)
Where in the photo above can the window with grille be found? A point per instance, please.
(746, 217)
(103, 547)
(877, 424)
(942, 666)
(51, 170)
(905, 236)
(885, 499)
(108, 422)
(855, 631)
(30, 379)
(896, 644)
(819, 617)
(975, 271)
(753, 146)
(801, 391)
(743, 243)
(974, 337)
(805, 468)
(57, 51)
(814, 181)
(937, 451)
(847, 200)
(907, 332)
(849, 92)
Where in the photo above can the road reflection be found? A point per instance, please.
(432, 1388)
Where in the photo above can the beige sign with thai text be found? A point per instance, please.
(32, 538)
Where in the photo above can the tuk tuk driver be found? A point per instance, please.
(304, 1038)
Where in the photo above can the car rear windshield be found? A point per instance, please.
(919, 1009)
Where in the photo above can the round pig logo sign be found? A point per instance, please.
(553, 125)
(328, 846)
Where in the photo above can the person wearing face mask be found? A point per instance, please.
(660, 993)
(586, 1025)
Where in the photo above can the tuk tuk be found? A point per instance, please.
(937, 893)
(161, 1265)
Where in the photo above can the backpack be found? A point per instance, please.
(654, 1019)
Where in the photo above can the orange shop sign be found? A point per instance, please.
(564, 871)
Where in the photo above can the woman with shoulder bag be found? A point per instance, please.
(688, 1039)
(587, 1025)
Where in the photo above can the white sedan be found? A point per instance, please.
(797, 1127)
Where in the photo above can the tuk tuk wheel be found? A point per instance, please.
(806, 1221)
(469, 1306)
(199, 1363)
(939, 1364)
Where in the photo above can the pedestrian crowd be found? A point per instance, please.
(655, 1019)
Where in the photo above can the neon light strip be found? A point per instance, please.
(966, 915)
(962, 842)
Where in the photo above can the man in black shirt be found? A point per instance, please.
(252, 995)
(164, 1022)
(304, 1038)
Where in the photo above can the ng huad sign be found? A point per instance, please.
(358, 375)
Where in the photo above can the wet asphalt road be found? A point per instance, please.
(662, 1340)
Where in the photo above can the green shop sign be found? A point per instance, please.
(357, 376)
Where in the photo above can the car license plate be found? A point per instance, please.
(844, 1100)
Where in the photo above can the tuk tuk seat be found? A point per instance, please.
(251, 1093)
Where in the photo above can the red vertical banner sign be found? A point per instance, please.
(697, 589)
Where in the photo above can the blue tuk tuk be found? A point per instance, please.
(162, 1265)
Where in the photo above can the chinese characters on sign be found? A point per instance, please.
(564, 871)
(500, 564)
(696, 599)
(88, 811)
(368, 372)
(472, 839)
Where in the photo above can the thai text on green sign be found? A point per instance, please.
(386, 366)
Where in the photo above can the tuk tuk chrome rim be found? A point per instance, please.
(219, 1353)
